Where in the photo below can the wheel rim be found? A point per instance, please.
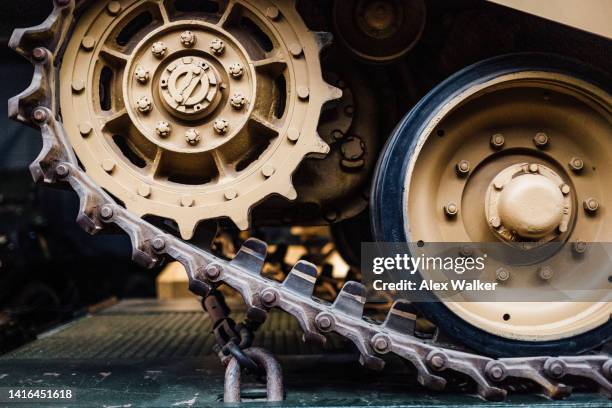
(497, 129)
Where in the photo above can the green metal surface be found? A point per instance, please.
(158, 354)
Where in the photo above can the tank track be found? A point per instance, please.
(434, 363)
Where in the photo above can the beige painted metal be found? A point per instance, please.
(545, 136)
(202, 120)
(589, 15)
(173, 282)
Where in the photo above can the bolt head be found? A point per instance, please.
(272, 13)
(540, 139)
(533, 168)
(213, 271)
(437, 361)
(217, 46)
(230, 194)
(323, 322)
(555, 368)
(142, 75)
(502, 274)
(580, 247)
(144, 104)
(163, 128)
(303, 92)
(106, 212)
(221, 126)
(565, 189)
(590, 205)
(159, 49)
(497, 140)
(238, 101)
(114, 7)
(39, 54)
(496, 372)
(381, 344)
(576, 164)
(188, 39)
(236, 70)
(61, 170)
(40, 115)
(158, 243)
(451, 209)
(192, 136)
(546, 273)
(268, 297)
(463, 167)
(495, 222)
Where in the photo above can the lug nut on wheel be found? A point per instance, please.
(590, 205)
(463, 167)
(540, 140)
(217, 46)
(497, 141)
(188, 39)
(576, 164)
(236, 70)
(451, 209)
(163, 129)
(159, 49)
(192, 135)
(144, 104)
(221, 126)
(237, 101)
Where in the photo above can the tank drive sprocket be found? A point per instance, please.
(193, 115)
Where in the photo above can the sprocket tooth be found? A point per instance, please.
(320, 148)
(351, 299)
(302, 278)
(23, 40)
(20, 107)
(324, 39)
(400, 318)
(251, 256)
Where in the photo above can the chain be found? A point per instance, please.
(57, 164)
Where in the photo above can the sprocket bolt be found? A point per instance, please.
(590, 205)
(533, 168)
(163, 128)
(188, 39)
(187, 201)
(576, 164)
(295, 49)
(496, 372)
(40, 115)
(236, 70)
(144, 104)
(193, 136)
(580, 247)
(88, 43)
(272, 13)
(497, 141)
(230, 194)
(108, 165)
(159, 49)
(565, 189)
(303, 92)
(113, 8)
(144, 190)
(238, 101)
(268, 170)
(495, 222)
(141, 74)
(217, 46)
(540, 140)
(437, 361)
(221, 126)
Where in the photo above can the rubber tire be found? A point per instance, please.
(387, 214)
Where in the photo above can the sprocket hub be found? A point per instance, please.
(190, 115)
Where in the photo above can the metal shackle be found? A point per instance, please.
(274, 376)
